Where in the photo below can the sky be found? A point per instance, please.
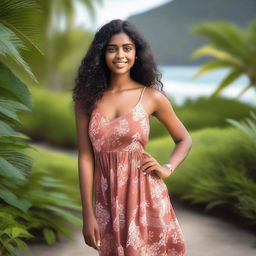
(114, 9)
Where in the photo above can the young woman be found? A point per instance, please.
(114, 99)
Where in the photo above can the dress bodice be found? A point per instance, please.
(127, 132)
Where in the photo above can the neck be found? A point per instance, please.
(119, 82)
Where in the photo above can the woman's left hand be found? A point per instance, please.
(150, 164)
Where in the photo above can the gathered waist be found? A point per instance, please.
(120, 152)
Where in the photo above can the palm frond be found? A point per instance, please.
(11, 142)
(7, 131)
(210, 50)
(90, 7)
(23, 18)
(244, 90)
(224, 36)
(231, 77)
(12, 88)
(248, 126)
(15, 164)
(19, 160)
(210, 66)
(10, 198)
(9, 108)
(9, 45)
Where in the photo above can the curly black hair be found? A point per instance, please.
(93, 74)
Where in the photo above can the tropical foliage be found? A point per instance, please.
(31, 202)
(63, 43)
(221, 171)
(231, 47)
(248, 126)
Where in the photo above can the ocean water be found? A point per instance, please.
(179, 84)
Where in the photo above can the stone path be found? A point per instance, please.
(205, 236)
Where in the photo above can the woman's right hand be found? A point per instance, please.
(91, 232)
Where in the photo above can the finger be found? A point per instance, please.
(144, 161)
(146, 169)
(143, 167)
(94, 243)
(97, 237)
(150, 169)
(87, 241)
(147, 164)
(91, 242)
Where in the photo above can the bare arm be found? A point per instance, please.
(85, 162)
(165, 113)
(86, 173)
(162, 109)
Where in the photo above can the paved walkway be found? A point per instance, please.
(205, 236)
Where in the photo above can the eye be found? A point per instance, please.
(128, 48)
(111, 49)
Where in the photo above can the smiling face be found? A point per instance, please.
(120, 53)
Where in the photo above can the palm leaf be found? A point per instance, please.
(9, 54)
(12, 88)
(65, 214)
(8, 108)
(220, 55)
(49, 236)
(23, 18)
(15, 164)
(10, 198)
(248, 126)
(232, 76)
(244, 90)
(211, 66)
(8, 170)
(12, 143)
(7, 131)
(225, 36)
(209, 50)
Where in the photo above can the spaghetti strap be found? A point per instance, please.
(141, 95)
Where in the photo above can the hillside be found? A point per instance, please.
(167, 28)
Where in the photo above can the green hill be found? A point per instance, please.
(167, 27)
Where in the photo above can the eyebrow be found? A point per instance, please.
(116, 44)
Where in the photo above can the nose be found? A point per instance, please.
(120, 54)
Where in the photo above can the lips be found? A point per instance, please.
(120, 64)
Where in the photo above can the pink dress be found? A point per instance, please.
(133, 210)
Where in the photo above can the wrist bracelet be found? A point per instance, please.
(169, 166)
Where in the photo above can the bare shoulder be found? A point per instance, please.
(155, 97)
(162, 109)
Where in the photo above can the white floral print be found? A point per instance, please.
(133, 211)
(138, 113)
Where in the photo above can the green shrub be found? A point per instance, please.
(61, 166)
(46, 205)
(53, 120)
(219, 170)
(211, 112)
